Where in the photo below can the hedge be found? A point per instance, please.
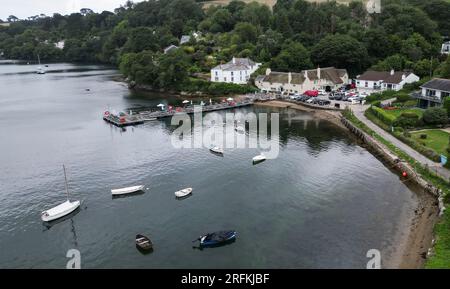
(382, 115)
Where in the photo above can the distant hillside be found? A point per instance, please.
(269, 3)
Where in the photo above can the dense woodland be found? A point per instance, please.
(295, 35)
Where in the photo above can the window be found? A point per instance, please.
(445, 94)
(366, 84)
(217, 79)
(240, 72)
(430, 92)
(225, 79)
(217, 73)
(232, 78)
(232, 73)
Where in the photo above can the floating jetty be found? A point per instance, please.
(125, 119)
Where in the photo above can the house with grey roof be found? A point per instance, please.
(185, 39)
(328, 78)
(445, 48)
(433, 92)
(237, 71)
(377, 81)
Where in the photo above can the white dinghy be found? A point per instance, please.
(183, 193)
(216, 150)
(62, 209)
(128, 190)
(259, 158)
(239, 129)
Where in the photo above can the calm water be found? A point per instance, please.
(324, 202)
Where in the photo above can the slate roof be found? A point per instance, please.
(239, 64)
(385, 76)
(331, 74)
(438, 84)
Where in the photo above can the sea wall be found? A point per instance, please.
(396, 163)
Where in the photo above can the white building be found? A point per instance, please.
(185, 39)
(60, 44)
(377, 81)
(433, 92)
(328, 79)
(170, 48)
(238, 71)
(446, 48)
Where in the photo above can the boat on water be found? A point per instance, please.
(127, 190)
(216, 150)
(63, 209)
(217, 238)
(40, 69)
(259, 158)
(239, 129)
(143, 243)
(183, 193)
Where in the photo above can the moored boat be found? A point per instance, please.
(63, 209)
(217, 238)
(127, 190)
(259, 158)
(143, 242)
(216, 150)
(183, 193)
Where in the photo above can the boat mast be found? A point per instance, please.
(65, 178)
(39, 60)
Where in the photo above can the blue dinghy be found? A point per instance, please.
(217, 238)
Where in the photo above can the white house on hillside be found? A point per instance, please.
(445, 48)
(377, 81)
(328, 79)
(433, 92)
(238, 71)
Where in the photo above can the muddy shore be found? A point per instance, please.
(416, 229)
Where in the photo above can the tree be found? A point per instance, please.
(435, 116)
(444, 69)
(86, 11)
(12, 18)
(246, 32)
(341, 51)
(293, 57)
(446, 105)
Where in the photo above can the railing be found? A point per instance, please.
(430, 98)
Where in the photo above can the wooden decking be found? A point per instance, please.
(144, 116)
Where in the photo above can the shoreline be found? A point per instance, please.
(415, 236)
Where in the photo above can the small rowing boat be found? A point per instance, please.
(128, 190)
(216, 150)
(183, 193)
(259, 158)
(143, 242)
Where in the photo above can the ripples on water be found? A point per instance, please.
(323, 202)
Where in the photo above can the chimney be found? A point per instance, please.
(268, 71)
(403, 76)
(392, 72)
(305, 72)
(234, 60)
(289, 78)
(318, 72)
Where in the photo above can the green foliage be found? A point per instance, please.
(383, 115)
(293, 57)
(435, 116)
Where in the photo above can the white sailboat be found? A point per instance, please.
(62, 209)
(40, 70)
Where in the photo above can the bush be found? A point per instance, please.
(435, 116)
(410, 114)
(377, 103)
(423, 136)
(403, 97)
(382, 115)
(407, 121)
(406, 134)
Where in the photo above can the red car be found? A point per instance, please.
(312, 93)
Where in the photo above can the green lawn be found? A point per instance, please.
(436, 140)
(397, 112)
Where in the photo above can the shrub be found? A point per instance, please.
(435, 116)
(403, 97)
(406, 121)
(423, 136)
(406, 134)
(382, 115)
(377, 103)
(410, 114)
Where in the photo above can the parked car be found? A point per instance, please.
(322, 92)
(312, 93)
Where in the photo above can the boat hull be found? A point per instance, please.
(52, 217)
(183, 193)
(125, 191)
(228, 237)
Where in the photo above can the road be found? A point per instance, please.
(359, 110)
